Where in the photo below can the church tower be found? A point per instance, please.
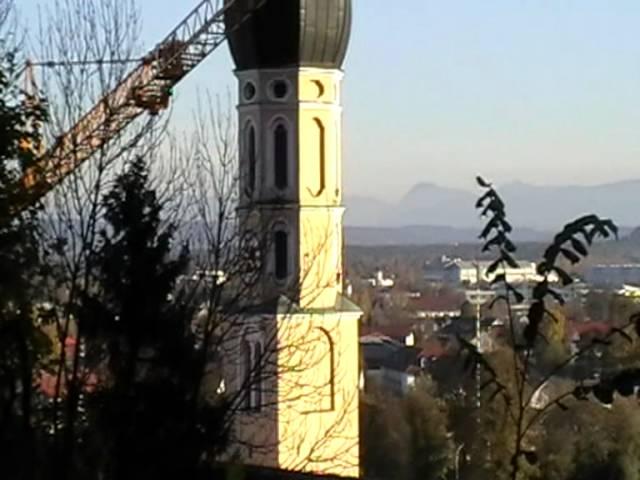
(303, 414)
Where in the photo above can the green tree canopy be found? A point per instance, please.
(406, 438)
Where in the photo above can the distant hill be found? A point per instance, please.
(427, 235)
(429, 213)
(424, 204)
(634, 236)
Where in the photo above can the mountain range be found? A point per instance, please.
(430, 213)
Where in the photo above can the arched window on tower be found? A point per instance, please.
(281, 254)
(281, 156)
(247, 366)
(319, 358)
(251, 160)
(256, 384)
(321, 160)
(329, 397)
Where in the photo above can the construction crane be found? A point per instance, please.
(146, 89)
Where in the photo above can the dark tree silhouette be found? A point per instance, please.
(150, 416)
(21, 345)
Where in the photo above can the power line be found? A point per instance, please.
(66, 63)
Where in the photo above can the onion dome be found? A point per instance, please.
(288, 33)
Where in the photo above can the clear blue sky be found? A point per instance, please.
(543, 91)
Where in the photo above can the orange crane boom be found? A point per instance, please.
(145, 89)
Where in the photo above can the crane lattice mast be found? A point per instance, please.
(145, 89)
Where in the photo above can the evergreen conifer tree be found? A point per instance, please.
(148, 411)
(21, 345)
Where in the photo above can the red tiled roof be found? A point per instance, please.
(599, 329)
(49, 381)
(437, 303)
(433, 348)
(392, 331)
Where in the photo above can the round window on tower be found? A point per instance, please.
(279, 89)
(249, 91)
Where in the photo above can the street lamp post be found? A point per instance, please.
(457, 460)
(477, 301)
